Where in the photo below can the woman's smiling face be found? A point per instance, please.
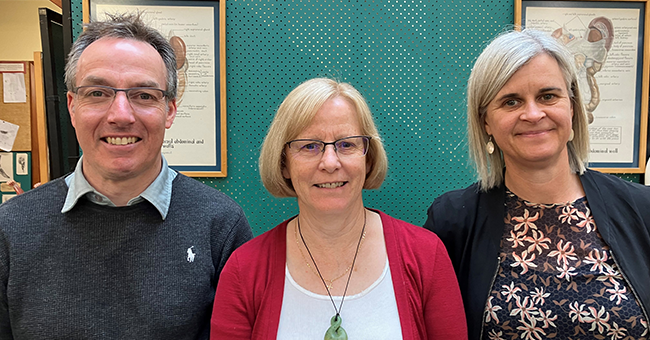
(328, 183)
(530, 118)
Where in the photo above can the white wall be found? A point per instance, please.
(20, 34)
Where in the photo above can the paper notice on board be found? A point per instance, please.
(8, 134)
(12, 67)
(6, 166)
(14, 88)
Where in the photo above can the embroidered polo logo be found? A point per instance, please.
(190, 254)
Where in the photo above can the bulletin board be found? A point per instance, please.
(411, 61)
(18, 113)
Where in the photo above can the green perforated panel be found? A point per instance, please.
(410, 59)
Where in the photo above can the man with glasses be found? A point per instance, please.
(124, 247)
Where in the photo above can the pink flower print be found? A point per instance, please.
(530, 330)
(598, 319)
(526, 221)
(578, 312)
(567, 214)
(539, 295)
(616, 332)
(524, 308)
(564, 253)
(610, 275)
(598, 261)
(566, 272)
(492, 311)
(537, 241)
(523, 261)
(493, 335)
(644, 324)
(546, 318)
(617, 294)
(510, 291)
(516, 239)
(587, 221)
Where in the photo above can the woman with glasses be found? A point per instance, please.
(543, 247)
(337, 269)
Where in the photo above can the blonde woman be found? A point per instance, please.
(337, 269)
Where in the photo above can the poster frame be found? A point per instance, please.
(220, 168)
(638, 163)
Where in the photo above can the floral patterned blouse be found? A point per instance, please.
(557, 279)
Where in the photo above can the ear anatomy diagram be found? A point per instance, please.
(590, 52)
(180, 50)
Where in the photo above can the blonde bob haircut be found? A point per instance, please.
(295, 114)
(504, 56)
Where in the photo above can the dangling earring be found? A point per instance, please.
(571, 135)
(489, 146)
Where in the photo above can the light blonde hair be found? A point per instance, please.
(504, 56)
(296, 113)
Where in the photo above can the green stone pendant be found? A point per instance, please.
(336, 332)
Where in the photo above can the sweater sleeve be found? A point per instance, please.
(449, 217)
(5, 325)
(239, 232)
(230, 319)
(436, 222)
(443, 306)
(426, 289)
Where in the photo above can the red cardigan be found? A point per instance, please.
(248, 300)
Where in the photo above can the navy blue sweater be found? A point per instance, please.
(98, 272)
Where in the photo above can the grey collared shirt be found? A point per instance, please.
(159, 193)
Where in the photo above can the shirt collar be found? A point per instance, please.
(159, 192)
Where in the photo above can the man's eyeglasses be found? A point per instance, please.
(348, 147)
(100, 98)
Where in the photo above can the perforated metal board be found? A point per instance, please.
(410, 59)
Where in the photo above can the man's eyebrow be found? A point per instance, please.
(95, 80)
(147, 83)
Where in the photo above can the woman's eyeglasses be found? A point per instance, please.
(353, 146)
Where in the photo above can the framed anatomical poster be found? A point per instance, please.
(195, 145)
(609, 42)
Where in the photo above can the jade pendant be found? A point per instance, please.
(336, 332)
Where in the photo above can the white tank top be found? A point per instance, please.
(371, 314)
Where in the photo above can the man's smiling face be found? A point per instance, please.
(120, 142)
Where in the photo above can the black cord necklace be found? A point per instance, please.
(335, 331)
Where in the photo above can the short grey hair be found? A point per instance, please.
(504, 56)
(125, 26)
